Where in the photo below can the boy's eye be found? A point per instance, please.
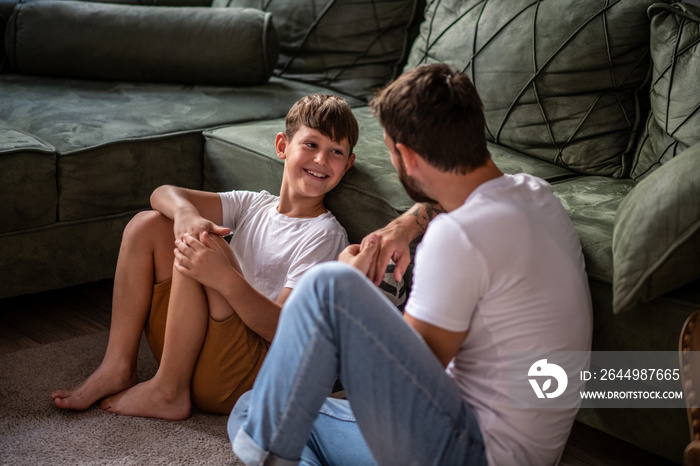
(311, 144)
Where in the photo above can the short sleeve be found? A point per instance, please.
(449, 278)
(235, 204)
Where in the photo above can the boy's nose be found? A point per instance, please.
(321, 157)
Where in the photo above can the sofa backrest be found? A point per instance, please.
(352, 46)
(559, 79)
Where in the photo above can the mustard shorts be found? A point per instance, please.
(228, 362)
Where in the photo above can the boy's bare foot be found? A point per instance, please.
(103, 382)
(147, 399)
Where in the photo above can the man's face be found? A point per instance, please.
(411, 186)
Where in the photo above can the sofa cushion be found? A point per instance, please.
(674, 120)
(558, 78)
(352, 46)
(116, 142)
(28, 196)
(656, 244)
(591, 202)
(137, 43)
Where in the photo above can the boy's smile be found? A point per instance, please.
(314, 163)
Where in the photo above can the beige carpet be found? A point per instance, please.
(34, 432)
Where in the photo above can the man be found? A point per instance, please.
(501, 271)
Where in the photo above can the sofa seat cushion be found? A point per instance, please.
(592, 202)
(28, 195)
(673, 124)
(116, 142)
(512, 162)
(558, 78)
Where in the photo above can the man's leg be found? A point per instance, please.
(336, 324)
(335, 438)
(145, 258)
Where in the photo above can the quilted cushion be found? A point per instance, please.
(138, 43)
(656, 241)
(558, 78)
(674, 121)
(352, 46)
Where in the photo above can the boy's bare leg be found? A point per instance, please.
(145, 258)
(168, 394)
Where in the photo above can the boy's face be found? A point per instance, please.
(314, 164)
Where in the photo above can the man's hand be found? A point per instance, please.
(363, 256)
(395, 240)
(393, 244)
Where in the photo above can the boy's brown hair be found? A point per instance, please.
(329, 114)
(436, 111)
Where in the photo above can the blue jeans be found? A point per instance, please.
(405, 409)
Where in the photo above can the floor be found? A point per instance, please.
(42, 318)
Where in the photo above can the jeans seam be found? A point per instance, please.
(379, 344)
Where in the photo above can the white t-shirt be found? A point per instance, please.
(274, 250)
(507, 266)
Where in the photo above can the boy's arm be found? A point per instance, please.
(207, 262)
(395, 239)
(191, 211)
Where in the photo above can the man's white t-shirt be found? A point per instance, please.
(274, 250)
(507, 266)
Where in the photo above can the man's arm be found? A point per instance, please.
(395, 239)
(443, 343)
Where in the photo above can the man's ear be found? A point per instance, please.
(408, 156)
(350, 162)
(281, 145)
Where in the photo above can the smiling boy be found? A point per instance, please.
(210, 309)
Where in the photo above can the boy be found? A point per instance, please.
(209, 310)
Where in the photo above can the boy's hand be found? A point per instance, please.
(203, 261)
(363, 257)
(195, 225)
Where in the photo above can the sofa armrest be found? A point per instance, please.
(656, 238)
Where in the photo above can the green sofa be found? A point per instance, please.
(600, 98)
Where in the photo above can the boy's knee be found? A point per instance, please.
(149, 224)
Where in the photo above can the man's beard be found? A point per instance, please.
(411, 187)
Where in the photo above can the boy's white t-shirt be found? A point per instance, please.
(274, 250)
(507, 266)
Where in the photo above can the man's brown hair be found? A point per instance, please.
(329, 114)
(436, 111)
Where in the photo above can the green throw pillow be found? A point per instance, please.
(352, 46)
(558, 78)
(656, 240)
(674, 120)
